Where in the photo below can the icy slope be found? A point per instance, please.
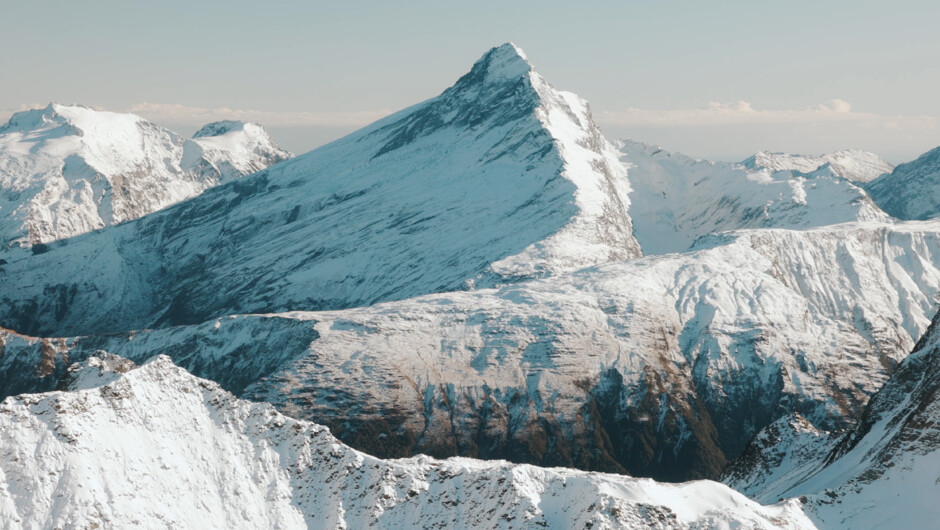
(912, 190)
(663, 366)
(851, 164)
(499, 178)
(676, 199)
(66, 170)
(154, 447)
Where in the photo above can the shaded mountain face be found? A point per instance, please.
(180, 451)
(851, 164)
(500, 178)
(912, 190)
(66, 170)
(663, 366)
(881, 473)
(677, 199)
(783, 454)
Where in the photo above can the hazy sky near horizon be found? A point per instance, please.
(712, 79)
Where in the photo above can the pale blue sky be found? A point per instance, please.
(716, 80)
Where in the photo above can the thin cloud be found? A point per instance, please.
(174, 113)
(742, 112)
(184, 114)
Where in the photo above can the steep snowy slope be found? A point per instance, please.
(499, 178)
(851, 164)
(66, 170)
(662, 366)
(676, 199)
(884, 473)
(781, 455)
(154, 447)
(912, 190)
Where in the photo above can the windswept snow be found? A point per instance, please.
(66, 170)
(154, 447)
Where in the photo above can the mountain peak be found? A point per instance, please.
(218, 128)
(507, 54)
(125, 166)
(33, 119)
(502, 63)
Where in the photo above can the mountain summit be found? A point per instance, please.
(499, 178)
(68, 169)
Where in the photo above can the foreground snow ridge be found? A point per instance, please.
(155, 447)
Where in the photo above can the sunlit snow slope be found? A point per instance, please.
(851, 164)
(499, 178)
(676, 199)
(154, 447)
(66, 170)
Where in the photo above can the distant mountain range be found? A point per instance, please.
(66, 170)
(852, 164)
(480, 275)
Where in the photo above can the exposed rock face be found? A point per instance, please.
(153, 446)
(782, 454)
(66, 170)
(662, 366)
(882, 472)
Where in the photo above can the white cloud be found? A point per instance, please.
(175, 113)
(742, 112)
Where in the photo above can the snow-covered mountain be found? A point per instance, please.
(676, 199)
(465, 278)
(154, 447)
(912, 190)
(851, 164)
(499, 178)
(66, 170)
(883, 473)
(661, 366)
(780, 456)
